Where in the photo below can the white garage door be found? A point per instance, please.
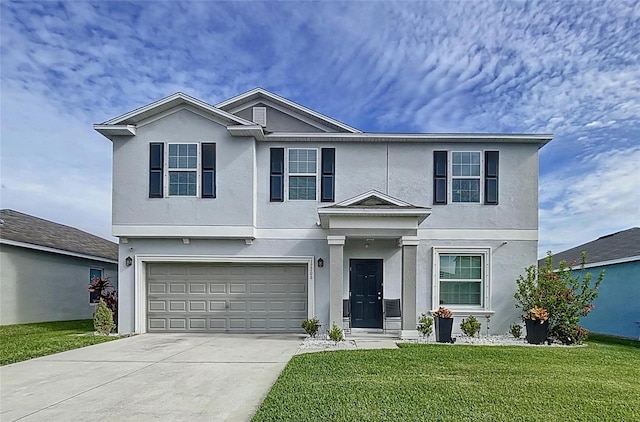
(226, 297)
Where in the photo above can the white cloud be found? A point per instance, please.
(580, 204)
(568, 68)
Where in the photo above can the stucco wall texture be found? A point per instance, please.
(41, 286)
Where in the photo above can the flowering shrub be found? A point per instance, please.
(564, 296)
(106, 292)
(442, 312)
(425, 325)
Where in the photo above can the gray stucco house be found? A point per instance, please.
(617, 307)
(46, 268)
(255, 213)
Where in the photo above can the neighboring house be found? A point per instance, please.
(255, 213)
(45, 269)
(617, 307)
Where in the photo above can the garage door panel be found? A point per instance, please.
(237, 306)
(157, 306)
(177, 323)
(218, 288)
(198, 324)
(217, 324)
(237, 323)
(226, 297)
(177, 306)
(177, 287)
(257, 288)
(258, 305)
(198, 270)
(178, 270)
(217, 305)
(197, 288)
(278, 288)
(237, 288)
(197, 306)
(297, 288)
(157, 288)
(157, 323)
(298, 306)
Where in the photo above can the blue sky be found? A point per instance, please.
(569, 68)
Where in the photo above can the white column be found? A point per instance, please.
(336, 271)
(409, 274)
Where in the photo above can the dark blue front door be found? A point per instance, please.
(366, 293)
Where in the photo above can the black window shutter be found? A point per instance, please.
(491, 177)
(328, 180)
(156, 160)
(208, 170)
(439, 177)
(277, 175)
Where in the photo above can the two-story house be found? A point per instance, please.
(255, 213)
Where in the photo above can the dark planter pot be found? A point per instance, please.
(537, 333)
(443, 330)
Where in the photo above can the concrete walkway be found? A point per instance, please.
(167, 377)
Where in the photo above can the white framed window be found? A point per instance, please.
(302, 174)
(466, 176)
(183, 167)
(461, 278)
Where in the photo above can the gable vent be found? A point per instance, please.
(260, 116)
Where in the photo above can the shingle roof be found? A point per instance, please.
(614, 246)
(26, 228)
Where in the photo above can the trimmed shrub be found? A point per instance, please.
(470, 326)
(335, 333)
(103, 319)
(311, 326)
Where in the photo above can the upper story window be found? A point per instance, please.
(306, 170)
(182, 169)
(458, 177)
(465, 181)
(303, 174)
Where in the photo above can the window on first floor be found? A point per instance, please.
(461, 277)
(93, 274)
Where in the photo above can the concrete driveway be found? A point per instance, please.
(213, 377)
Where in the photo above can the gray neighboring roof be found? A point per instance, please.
(611, 247)
(25, 228)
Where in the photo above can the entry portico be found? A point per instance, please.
(373, 215)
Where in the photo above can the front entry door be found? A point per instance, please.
(365, 287)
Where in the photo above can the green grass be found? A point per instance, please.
(459, 383)
(26, 341)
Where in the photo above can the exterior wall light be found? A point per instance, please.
(128, 261)
(320, 262)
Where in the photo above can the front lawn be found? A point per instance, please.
(26, 341)
(459, 383)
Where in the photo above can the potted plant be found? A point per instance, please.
(425, 326)
(444, 325)
(537, 322)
